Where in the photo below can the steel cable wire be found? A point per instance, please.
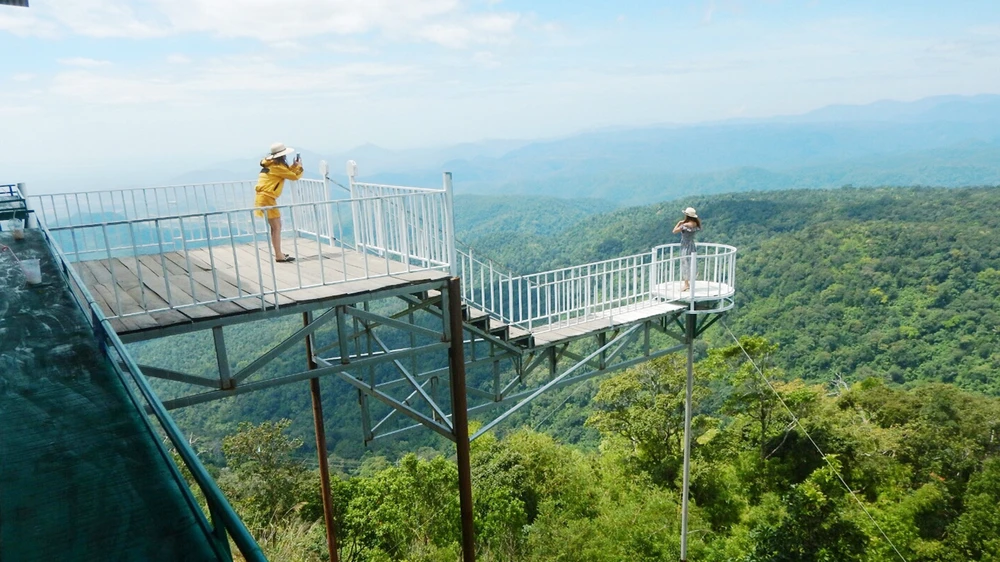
(829, 463)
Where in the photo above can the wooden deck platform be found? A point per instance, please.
(208, 283)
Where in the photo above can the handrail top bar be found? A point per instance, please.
(728, 250)
(367, 184)
(170, 186)
(602, 262)
(726, 247)
(242, 209)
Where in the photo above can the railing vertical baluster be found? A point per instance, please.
(319, 242)
(138, 267)
(211, 258)
(384, 234)
(482, 283)
(343, 254)
(295, 248)
(187, 260)
(510, 300)
(492, 303)
(111, 267)
(76, 247)
(163, 265)
(236, 263)
(260, 272)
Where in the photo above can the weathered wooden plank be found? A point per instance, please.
(161, 263)
(286, 277)
(246, 281)
(180, 289)
(105, 296)
(226, 290)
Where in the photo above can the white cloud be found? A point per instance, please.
(108, 18)
(26, 23)
(178, 59)
(15, 110)
(23, 77)
(989, 30)
(83, 62)
(486, 59)
(226, 81)
(449, 23)
(90, 87)
(349, 48)
(473, 30)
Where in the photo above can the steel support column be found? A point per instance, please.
(226, 381)
(460, 420)
(690, 334)
(324, 467)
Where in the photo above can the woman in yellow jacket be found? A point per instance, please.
(274, 170)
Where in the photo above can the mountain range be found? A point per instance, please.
(944, 141)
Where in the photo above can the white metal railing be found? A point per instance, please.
(578, 294)
(487, 285)
(406, 233)
(712, 273)
(388, 218)
(94, 207)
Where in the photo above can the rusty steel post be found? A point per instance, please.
(460, 418)
(324, 468)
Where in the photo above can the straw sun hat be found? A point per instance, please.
(691, 212)
(278, 150)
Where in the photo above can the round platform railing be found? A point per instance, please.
(707, 282)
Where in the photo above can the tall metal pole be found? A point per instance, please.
(689, 336)
(324, 468)
(460, 418)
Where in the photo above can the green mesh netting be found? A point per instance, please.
(81, 476)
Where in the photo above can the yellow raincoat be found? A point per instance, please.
(271, 181)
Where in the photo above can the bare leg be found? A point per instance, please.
(685, 271)
(275, 225)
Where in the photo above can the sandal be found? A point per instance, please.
(286, 259)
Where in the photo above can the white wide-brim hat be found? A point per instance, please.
(690, 212)
(279, 149)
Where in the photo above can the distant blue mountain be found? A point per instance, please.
(943, 141)
(967, 109)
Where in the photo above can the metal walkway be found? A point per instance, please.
(84, 473)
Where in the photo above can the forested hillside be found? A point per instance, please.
(922, 463)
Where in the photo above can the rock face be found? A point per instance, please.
(82, 473)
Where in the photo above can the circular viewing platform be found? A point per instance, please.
(707, 282)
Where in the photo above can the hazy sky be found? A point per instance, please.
(163, 82)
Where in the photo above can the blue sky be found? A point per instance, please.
(165, 84)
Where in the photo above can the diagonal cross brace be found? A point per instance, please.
(396, 405)
(386, 321)
(621, 340)
(294, 339)
(417, 388)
